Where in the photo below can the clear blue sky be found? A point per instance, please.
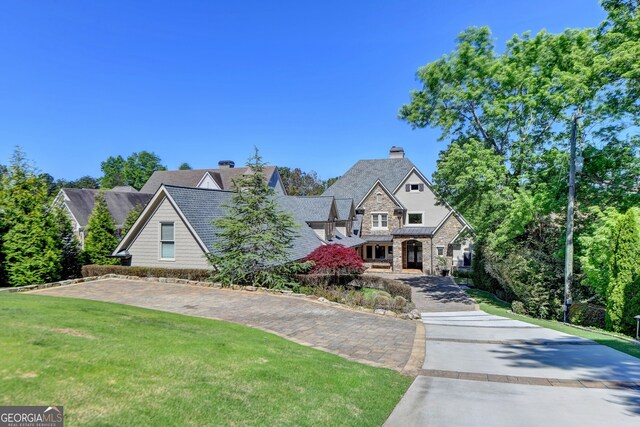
(312, 84)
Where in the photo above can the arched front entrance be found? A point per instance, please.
(413, 254)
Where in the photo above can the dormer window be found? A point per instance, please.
(414, 188)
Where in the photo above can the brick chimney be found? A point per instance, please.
(396, 153)
(226, 164)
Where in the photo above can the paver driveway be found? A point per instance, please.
(368, 338)
(484, 370)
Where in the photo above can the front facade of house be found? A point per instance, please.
(175, 230)
(399, 218)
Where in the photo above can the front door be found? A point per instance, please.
(414, 254)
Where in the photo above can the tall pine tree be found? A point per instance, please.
(71, 254)
(101, 237)
(30, 245)
(255, 235)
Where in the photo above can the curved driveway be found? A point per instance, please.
(372, 339)
(482, 369)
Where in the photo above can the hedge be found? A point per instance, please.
(176, 273)
(586, 314)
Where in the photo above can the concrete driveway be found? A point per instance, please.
(488, 370)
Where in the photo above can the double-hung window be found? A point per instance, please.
(379, 221)
(167, 241)
(414, 218)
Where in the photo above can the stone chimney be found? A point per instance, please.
(226, 164)
(396, 153)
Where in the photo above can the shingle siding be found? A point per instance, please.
(145, 249)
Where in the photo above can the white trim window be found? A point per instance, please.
(379, 221)
(415, 218)
(167, 241)
(440, 250)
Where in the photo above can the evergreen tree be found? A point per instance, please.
(132, 217)
(29, 243)
(255, 235)
(184, 167)
(71, 254)
(623, 292)
(101, 237)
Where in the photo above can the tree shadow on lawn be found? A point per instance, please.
(591, 362)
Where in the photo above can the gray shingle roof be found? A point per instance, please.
(80, 202)
(308, 208)
(202, 206)
(358, 180)
(377, 238)
(413, 231)
(348, 241)
(344, 209)
(191, 178)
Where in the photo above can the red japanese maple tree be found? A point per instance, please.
(335, 259)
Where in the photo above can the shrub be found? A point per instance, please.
(586, 314)
(393, 287)
(464, 274)
(399, 303)
(324, 279)
(518, 308)
(335, 259)
(382, 301)
(176, 273)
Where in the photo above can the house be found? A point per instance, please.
(218, 179)
(79, 203)
(176, 229)
(399, 218)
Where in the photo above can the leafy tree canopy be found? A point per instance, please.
(135, 170)
(299, 183)
(184, 167)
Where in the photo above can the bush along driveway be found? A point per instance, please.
(483, 369)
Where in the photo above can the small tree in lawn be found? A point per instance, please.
(335, 259)
(101, 237)
(255, 235)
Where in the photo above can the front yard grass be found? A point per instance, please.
(489, 303)
(112, 364)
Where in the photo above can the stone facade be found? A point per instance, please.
(445, 234)
(379, 201)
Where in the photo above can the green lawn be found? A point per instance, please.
(112, 364)
(492, 305)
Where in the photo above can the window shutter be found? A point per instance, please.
(407, 188)
(421, 187)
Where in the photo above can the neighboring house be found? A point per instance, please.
(79, 203)
(217, 179)
(176, 230)
(399, 218)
